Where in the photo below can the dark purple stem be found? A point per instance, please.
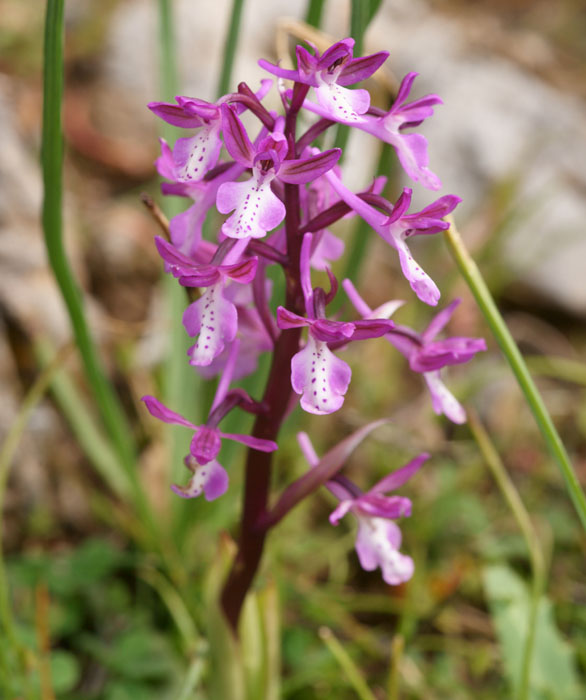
(276, 398)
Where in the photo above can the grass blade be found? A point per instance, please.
(487, 305)
(230, 47)
(52, 164)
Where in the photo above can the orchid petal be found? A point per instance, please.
(404, 90)
(278, 71)
(161, 412)
(451, 351)
(442, 400)
(257, 209)
(205, 444)
(392, 481)
(289, 319)
(211, 478)
(421, 283)
(342, 104)
(358, 69)
(376, 545)
(236, 139)
(254, 442)
(340, 511)
(332, 331)
(440, 320)
(194, 156)
(371, 328)
(320, 377)
(375, 505)
(304, 170)
(242, 272)
(412, 152)
(175, 115)
(214, 319)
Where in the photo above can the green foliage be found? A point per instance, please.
(97, 619)
(553, 673)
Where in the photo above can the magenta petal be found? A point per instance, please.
(401, 206)
(190, 273)
(379, 506)
(341, 510)
(320, 377)
(337, 53)
(332, 331)
(371, 328)
(441, 353)
(160, 411)
(358, 69)
(235, 137)
(205, 444)
(440, 320)
(304, 170)
(193, 105)
(401, 476)
(171, 255)
(175, 115)
(242, 272)
(288, 319)
(436, 210)
(404, 90)
(306, 65)
(250, 441)
(279, 72)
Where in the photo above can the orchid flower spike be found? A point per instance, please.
(378, 538)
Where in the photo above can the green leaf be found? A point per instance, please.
(553, 672)
(65, 671)
(373, 8)
(128, 691)
(136, 654)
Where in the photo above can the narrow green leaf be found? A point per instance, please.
(487, 305)
(314, 12)
(351, 671)
(230, 47)
(52, 165)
